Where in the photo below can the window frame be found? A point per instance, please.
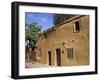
(70, 53)
(74, 27)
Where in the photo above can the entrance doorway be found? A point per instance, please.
(58, 54)
(49, 57)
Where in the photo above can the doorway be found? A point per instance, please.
(49, 57)
(58, 56)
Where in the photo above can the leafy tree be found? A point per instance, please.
(32, 33)
(58, 18)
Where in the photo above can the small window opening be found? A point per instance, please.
(76, 26)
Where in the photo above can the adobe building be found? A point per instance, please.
(66, 43)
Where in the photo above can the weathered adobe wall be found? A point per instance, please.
(65, 34)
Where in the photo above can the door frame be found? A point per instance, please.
(58, 57)
(49, 61)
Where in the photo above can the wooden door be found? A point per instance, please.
(58, 54)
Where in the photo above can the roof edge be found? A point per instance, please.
(66, 21)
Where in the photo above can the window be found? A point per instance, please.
(70, 53)
(76, 26)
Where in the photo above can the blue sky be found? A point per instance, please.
(42, 19)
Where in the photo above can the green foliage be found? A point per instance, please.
(58, 18)
(32, 32)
